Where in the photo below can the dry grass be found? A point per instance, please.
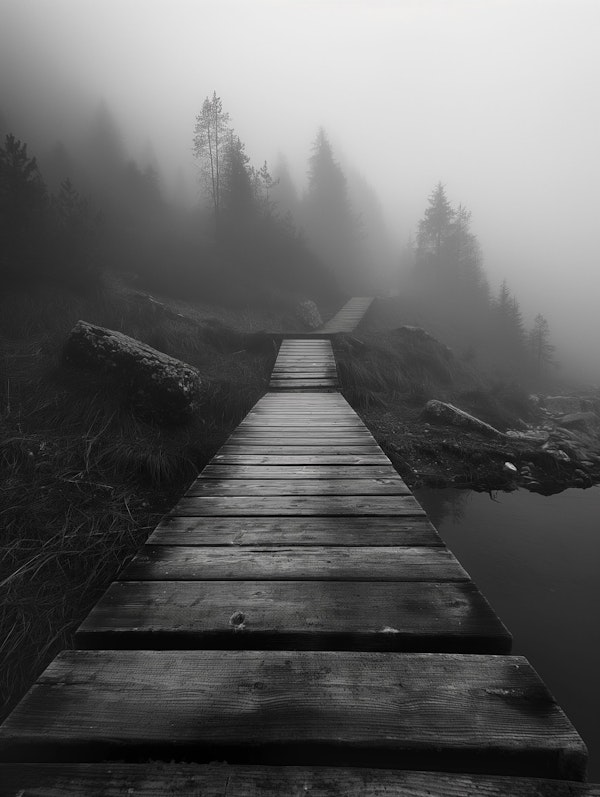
(83, 480)
(380, 368)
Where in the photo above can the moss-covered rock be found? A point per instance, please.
(159, 386)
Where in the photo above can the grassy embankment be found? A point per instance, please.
(389, 375)
(83, 479)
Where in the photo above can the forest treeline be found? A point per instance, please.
(250, 234)
(448, 290)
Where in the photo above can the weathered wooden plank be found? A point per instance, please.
(306, 563)
(289, 404)
(405, 710)
(302, 413)
(290, 439)
(302, 373)
(292, 615)
(308, 382)
(303, 385)
(281, 487)
(306, 437)
(345, 531)
(297, 423)
(246, 506)
(247, 449)
(307, 361)
(320, 400)
(298, 472)
(288, 409)
(295, 458)
(307, 432)
(325, 402)
(156, 779)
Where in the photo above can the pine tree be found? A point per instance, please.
(237, 183)
(74, 240)
(212, 134)
(540, 348)
(284, 192)
(327, 214)
(436, 225)
(23, 205)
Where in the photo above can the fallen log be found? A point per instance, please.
(441, 412)
(158, 386)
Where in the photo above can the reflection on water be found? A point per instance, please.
(444, 504)
(537, 560)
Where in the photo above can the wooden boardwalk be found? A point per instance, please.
(348, 317)
(304, 365)
(295, 611)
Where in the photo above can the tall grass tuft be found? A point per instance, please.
(83, 479)
(405, 365)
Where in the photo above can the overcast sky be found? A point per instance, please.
(499, 99)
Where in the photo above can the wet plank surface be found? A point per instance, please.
(293, 531)
(321, 504)
(306, 563)
(283, 487)
(298, 472)
(416, 616)
(155, 779)
(406, 710)
(304, 365)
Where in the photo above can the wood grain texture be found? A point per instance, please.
(403, 710)
(244, 506)
(291, 472)
(306, 563)
(294, 422)
(325, 457)
(330, 438)
(292, 615)
(331, 531)
(249, 450)
(157, 779)
(282, 487)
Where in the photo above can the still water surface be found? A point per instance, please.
(537, 560)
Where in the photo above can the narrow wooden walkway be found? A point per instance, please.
(348, 317)
(295, 611)
(304, 365)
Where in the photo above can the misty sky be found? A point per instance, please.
(496, 98)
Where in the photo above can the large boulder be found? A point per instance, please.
(158, 385)
(440, 412)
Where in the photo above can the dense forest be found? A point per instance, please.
(251, 235)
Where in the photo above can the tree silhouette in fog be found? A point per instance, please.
(23, 205)
(211, 137)
(327, 214)
(542, 351)
(435, 226)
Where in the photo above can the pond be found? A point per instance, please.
(537, 560)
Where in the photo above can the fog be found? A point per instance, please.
(496, 99)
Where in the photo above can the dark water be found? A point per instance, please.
(537, 560)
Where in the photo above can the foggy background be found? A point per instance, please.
(498, 100)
